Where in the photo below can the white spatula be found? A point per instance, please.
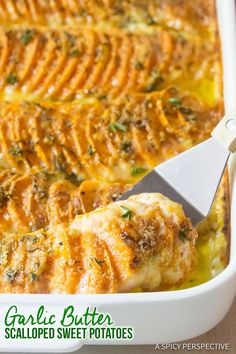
(192, 178)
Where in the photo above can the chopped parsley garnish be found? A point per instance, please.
(152, 86)
(73, 178)
(191, 118)
(127, 213)
(11, 275)
(154, 82)
(183, 233)
(151, 21)
(39, 192)
(138, 65)
(75, 52)
(91, 150)
(185, 110)
(175, 101)
(4, 197)
(33, 277)
(114, 126)
(27, 36)
(11, 79)
(138, 170)
(15, 149)
(71, 38)
(102, 97)
(42, 194)
(99, 261)
(49, 139)
(126, 146)
(60, 163)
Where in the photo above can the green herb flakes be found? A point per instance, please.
(138, 170)
(99, 261)
(138, 65)
(27, 36)
(185, 110)
(102, 97)
(4, 197)
(49, 139)
(114, 126)
(91, 150)
(126, 146)
(11, 79)
(75, 52)
(191, 118)
(183, 233)
(74, 178)
(33, 277)
(11, 275)
(151, 21)
(175, 101)
(15, 149)
(154, 82)
(127, 213)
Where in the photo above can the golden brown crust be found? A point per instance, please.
(144, 81)
(102, 140)
(196, 17)
(68, 63)
(32, 202)
(102, 252)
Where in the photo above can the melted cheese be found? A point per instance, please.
(102, 251)
(96, 95)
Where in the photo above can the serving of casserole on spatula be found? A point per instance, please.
(192, 178)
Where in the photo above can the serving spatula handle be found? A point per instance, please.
(225, 132)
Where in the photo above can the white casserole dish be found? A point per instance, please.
(158, 317)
